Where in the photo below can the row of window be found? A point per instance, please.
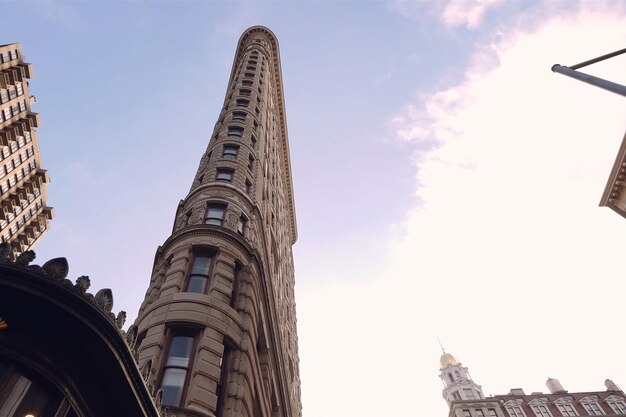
(14, 179)
(8, 56)
(11, 92)
(14, 163)
(12, 111)
(21, 221)
(10, 216)
(491, 412)
(567, 408)
(15, 145)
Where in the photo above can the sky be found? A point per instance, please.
(446, 181)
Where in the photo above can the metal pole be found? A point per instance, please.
(598, 59)
(590, 79)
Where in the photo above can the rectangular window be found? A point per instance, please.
(467, 413)
(4, 95)
(22, 105)
(224, 174)
(235, 131)
(541, 411)
(619, 407)
(230, 152)
(244, 92)
(199, 274)
(247, 83)
(593, 409)
(7, 113)
(480, 413)
(242, 102)
(515, 411)
(492, 412)
(567, 410)
(13, 54)
(215, 214)
(469, 394)
(239, 116)
(19, 89)
(176, 368)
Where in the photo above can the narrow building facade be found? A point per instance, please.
(216, 333)
(24, 215)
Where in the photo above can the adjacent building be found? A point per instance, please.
(614, 195)
(465, 398)
(216, 333)
(24, 215)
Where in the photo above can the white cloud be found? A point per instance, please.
(508, 256)
(466, 13)
(452, 13)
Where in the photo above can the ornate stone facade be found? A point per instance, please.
(216, 333)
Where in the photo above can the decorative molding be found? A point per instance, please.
(589, 399)
(539, 401)
(56, 270)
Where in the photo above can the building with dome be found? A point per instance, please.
(465, 398)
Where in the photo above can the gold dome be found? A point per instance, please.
(447, 360)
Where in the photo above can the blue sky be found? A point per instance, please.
(445, 181)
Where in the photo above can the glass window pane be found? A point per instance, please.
(173, 382)
(197, 284)
(201, 265)
(215, 212)
(180, 351)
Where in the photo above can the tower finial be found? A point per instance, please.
(440, 345)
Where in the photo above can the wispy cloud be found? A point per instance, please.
(452, 13)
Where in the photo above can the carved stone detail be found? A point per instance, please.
(253, 233)
(56, 268)
(104, 299)
(232, 219)
(82, 283)
(25, 258)
(120, 319)
(197, 215)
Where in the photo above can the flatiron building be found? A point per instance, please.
(216, 332)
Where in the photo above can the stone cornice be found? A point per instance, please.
(209, 230)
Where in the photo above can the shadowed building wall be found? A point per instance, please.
(216, 333)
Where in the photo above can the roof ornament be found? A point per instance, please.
(56, 270)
